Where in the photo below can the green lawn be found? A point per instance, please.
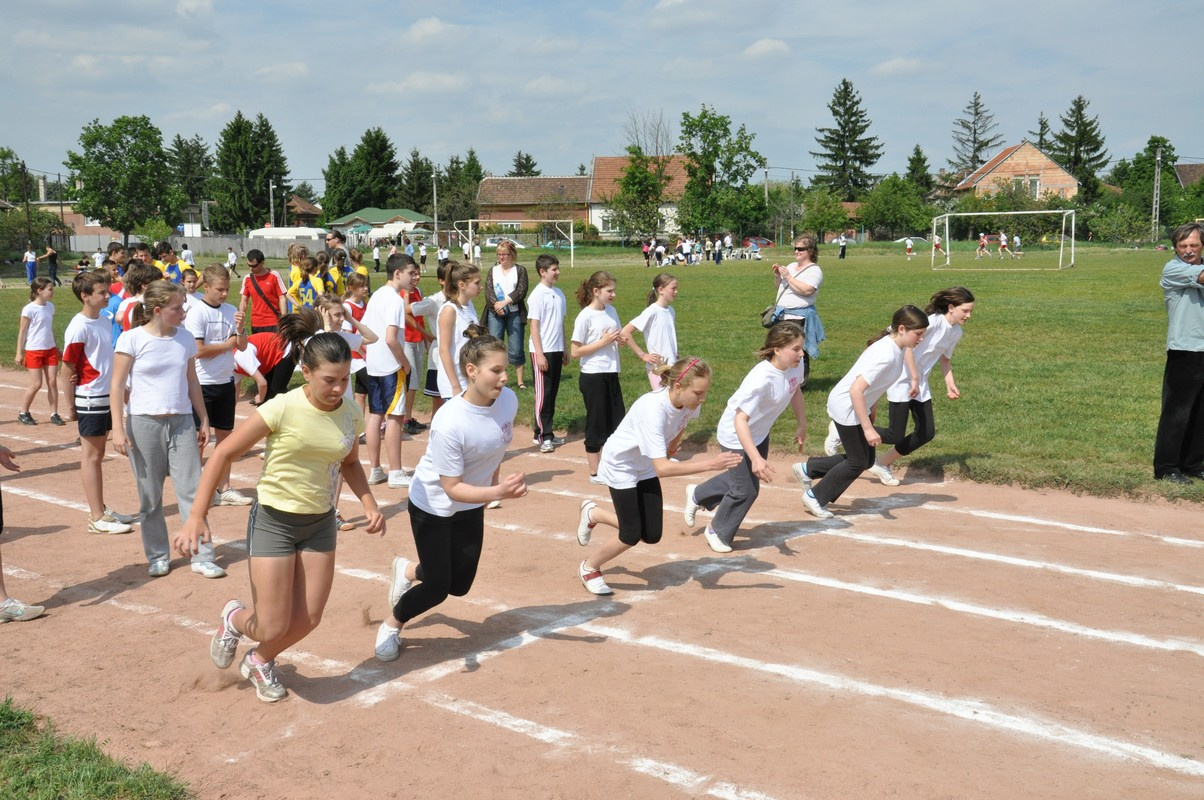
(1060, 372)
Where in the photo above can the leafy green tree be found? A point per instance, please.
(458, 184)
(1119, 223)
(124, 175)
(13, 182)
(1136, 181)
(1041, 137)
(822, 212)
(919, 174)
(524, 166)
(846, 154)
(972, 137)
(249, 161)
(415, 190)
(1079, 148)
(191, 166)
(42, 224)
(373, 172)
(719, 164)
(893, 208)
(336, 200)
(635, 208)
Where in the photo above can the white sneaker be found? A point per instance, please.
(558, 440)
(399, 479)
(159, 568)
(884, 474)
(691, 509)
(597, 480)
(399, 584)
(546, 446)
(492, 504)
(592, 580)
(208, 569)
(584, 526)
(107, 525)
(832, 440)
(388, 642)
(812, 505)
(377, 476)
(232, 497)
(716, 543)
(124, 519)
(799, 468)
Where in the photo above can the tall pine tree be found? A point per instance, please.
(846, 154)
(1041, 136)
(919, 174)
(336, 199)
(415, 190)
(972, 137)
(1079, 148)
(191, 166)
(524, 166)
(373, 171)
(250, 168)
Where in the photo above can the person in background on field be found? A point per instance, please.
(658, 323)
(30, 258)
(506, 305)
(309, 284)
(908, 244)
(546, 309)
(158, 357)
(186, 255)
(12, 609)
(429, 308)
(88, 367)
(597, 334)
(452, 484)
(355, 303)
(844, 243)
(98, 257)
(232, 262)
(37, 352)
(417, 339)
(727, 246)
(476, 252)
(52, 265)
(850, 405)
(1016, 253)
(312, 438)
(264, 292)
(936, 244)
(1179, 443)
(635, 458)
(647, 255)
(1003, 246)
(171, 263)
(376, 255)
(189, 279)
(422, 255)
(798, 287)
(982, 247)
(774, 383)
(409, 247)
(948, 310)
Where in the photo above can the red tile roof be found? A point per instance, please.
(609, 169)
(975, 177)
(569, 189)
(1189, 174)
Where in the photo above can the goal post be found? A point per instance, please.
(468, 229)
(943, 258)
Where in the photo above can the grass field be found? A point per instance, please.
(1060, 371)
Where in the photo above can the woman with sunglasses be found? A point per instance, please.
(797, 286)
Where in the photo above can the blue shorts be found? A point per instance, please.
(386, 394)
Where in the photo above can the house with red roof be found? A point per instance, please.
(1023, 165)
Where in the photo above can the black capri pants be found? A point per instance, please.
(640, 511)
(449, 550)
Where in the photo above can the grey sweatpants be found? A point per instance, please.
(734, 492)
(162, 446)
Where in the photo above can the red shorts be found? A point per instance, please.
(36, 359)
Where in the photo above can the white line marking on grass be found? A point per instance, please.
(971, 710)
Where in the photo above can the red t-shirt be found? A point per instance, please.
(413, 334)
(269, 349)
(264, 315)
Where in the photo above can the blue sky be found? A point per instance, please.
(558, 80)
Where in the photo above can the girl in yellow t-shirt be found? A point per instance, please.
(312, 437)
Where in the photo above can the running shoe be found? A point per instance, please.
(377, 476)
(388, 642)
(832, 440)
(884, 474)
(584, 526)
(107, 525)
(225, 639)
(800, 474)
(124, 519)
(597, 480)
(13, 610)
(492, 504)
(399, 479)
(716, 543)
(25, 418)
(232, 497)
(342, 524)
(208, 569)
(546, 446)
(159, 568)
(410, 426)
(399, 584)
(592, 580)
(812, 505)
(55, 419)
(268, 687)
(555, 440)
(690, 512)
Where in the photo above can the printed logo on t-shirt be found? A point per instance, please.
(791, 385)
(507, 431)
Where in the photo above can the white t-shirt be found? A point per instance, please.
(212, 325)
(40, 334)
(231, 259)
(386, 307)
(465, 440)
(643, 435)
(547, 305)
(88, 345)
(588, 328)
(190, 300)
(428, 308)
(763, 395)
(811, 275)
(30, 257)
(939, 340)
(465, 315)
(659, 326)
(159, 374)
(187, 257)
(98, 257)
(879, 365)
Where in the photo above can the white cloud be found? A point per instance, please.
(420, 82)
(431, 29)
(766, 47)
(283, 72)
(547, 85)
(194, 8)
(898, 66)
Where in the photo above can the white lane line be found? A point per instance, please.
(1023, 520)
(971, 710)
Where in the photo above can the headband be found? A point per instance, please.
(687, 369)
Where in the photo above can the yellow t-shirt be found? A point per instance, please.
(304, 451)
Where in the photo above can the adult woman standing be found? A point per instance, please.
(506, 305)
(798, 288)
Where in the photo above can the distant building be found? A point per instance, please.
(529, 198)
(302, 213)
(1189, 174)
(605, 174)
(1025, 166)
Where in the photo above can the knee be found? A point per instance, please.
(269, 629)
(928, 435)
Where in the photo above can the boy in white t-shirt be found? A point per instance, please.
(546, 309)
(388, 369)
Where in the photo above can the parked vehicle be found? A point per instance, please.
(493, 241)
(760, 240)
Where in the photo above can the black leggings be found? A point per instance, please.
(896, 434)
(604, 408)
(278, 377)
(449, 550)
(640, 511)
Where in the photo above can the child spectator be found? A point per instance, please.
(37, 351)
(546, 310)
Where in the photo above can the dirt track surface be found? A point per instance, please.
(934, 640)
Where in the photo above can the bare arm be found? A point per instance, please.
(857, 398)
(447, 329)
(513, 485)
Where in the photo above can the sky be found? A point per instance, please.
(559, 80)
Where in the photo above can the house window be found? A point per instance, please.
(1029, 183)
(608, 225)
(509, 226)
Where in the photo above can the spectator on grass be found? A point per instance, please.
(1179, 443)
(506, 305)
(797, 286)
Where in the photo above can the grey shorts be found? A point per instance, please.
(273, 533)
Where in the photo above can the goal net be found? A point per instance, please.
(539, 234)
(1046, 240)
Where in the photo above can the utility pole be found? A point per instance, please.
(1157, 194)
(435, 191)
(28, 216)
(271, 204)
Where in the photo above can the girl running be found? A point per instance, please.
(452, 484)
(770, 386)
(312, 438)
(158, 356)
(850, 405)
(37, 351)
(658, 323)
(634, 460)
(947, 311)
(456, 315)
(597, 334)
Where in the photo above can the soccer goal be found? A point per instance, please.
(1040, 241)
(539, 233)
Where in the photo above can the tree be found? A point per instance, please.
(1119, 223)
(1079, 148)
(1136, 181)
(1041, 137)
(14, 182)
(893, 207)
(42, 224)
(822, 212)
(123, 174)
(919, 174)
(273, 168)
(846, 154)
(458, 184)
(972, 138)
(191, 166)
(415, 189)
(635, 208)
(306, 192)
(581, 169)
(524, 166)
(250, 170)
(719, 164)
(336, 200)
(373, 172)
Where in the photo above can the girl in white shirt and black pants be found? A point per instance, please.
(597, 334)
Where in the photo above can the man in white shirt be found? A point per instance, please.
(186, 255)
